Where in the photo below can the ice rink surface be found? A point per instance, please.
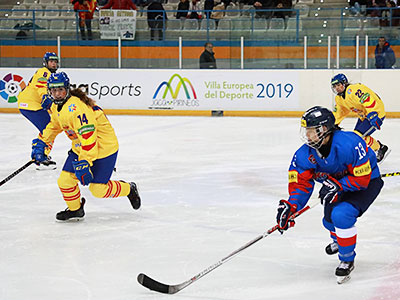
(208, 186)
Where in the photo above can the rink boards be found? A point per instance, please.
(273, 93)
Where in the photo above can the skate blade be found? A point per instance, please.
(46, 168)
(71, 220)
(342, 279)
(384, 157)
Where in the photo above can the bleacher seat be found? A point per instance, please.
(141, 24)
(352, 24)
(67, 12)
(174, 24)
(292, 24)
(232, 11)
(71, 25)
(260, 24)
(303, 9)
(277, 24)
(51, 13)
(371, 23)
(7, 23)
(30, 1)
(191, 24)
(224, 24)
(18, 13)
(57, 24)
(42, 23)
(209, 22)
(46, 2)
(62, 2)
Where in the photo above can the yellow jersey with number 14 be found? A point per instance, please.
(88, 128)
(359, 99)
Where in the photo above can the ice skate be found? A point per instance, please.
(47, 164)
(382, 153)
(332, 248)
(133, 196)
(68, 215)
(343, 271)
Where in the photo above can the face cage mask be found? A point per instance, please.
(46, 64)
(320, 133)
(59, 101)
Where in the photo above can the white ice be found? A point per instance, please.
(208, 186)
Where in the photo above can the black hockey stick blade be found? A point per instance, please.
(156, 286)
(15, 173)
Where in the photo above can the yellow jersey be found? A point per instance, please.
(88, 128)
(31, 97)
(358, 99)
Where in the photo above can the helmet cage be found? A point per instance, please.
(313, 136)
(50, 56)
(58, 80)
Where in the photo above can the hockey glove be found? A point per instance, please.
(329, 192)
(46, 102)
(374, 120)
(285, 210)
(82, 171)
(37, 154)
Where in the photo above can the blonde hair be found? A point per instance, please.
(83, 96)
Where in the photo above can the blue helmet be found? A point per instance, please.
(339, 78)
(50, 56)
(57, 80)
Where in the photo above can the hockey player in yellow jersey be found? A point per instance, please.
(361, 100)
(31, 98)
(94, 148)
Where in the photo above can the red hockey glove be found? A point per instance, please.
(285, 210)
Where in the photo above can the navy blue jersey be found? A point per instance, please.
(350, 161)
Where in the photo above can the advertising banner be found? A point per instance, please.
(117, 23)
(172, 89)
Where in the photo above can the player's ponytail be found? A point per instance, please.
(83, 96)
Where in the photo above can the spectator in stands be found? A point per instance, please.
(208, 7)
(283, 5)
(156, 16)
(86, 9)
(183, 9)
(384, 55)
(120, 4)
(376, 7)
(207, 59)
(264, 5)
(194, 10)
(358, 7)
(218, 12)
(390, 16)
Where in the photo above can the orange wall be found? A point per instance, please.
(187, 52)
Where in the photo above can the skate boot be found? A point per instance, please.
(382, 152)
(343, 271)
(68, 215)
(133, 196)
(47, 164)
(332, 248)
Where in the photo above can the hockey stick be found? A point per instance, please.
(157, 286)
(390, 174)
(16, 172)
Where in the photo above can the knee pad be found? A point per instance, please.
(328, 225)
(67, 180)
(344, 215)
(98, 189)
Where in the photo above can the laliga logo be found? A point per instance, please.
(10, 86)
(190, 99)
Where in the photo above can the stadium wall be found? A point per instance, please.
(276, 93)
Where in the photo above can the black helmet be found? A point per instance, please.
(320, 118)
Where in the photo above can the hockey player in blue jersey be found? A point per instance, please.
(350, 178)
